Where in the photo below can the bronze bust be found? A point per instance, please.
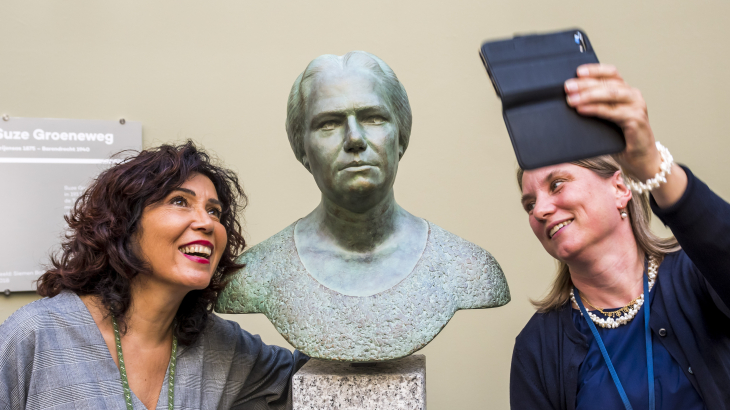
(359, 278)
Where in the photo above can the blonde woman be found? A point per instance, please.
(631, 320)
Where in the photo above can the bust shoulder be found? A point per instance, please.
(474, 273)
(451, 274)
(249, 289)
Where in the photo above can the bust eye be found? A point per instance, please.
(328, 126)
(375, 120)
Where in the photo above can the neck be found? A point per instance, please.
(610, 277)
(152, 310)
(358, 231)
(149, 317)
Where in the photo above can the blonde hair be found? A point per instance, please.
(639, 212)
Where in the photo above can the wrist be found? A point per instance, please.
(652, 175)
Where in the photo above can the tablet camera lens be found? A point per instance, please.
(578, 38)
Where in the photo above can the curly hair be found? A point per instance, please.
(97, 254)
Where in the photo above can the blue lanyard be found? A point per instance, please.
(649, 354)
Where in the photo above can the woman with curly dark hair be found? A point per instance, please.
(128, 315)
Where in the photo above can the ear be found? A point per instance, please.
(401, 151)
(623, 193)
(305, 162)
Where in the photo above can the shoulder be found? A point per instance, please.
(228, 333)
(540, 326)
(226, 339)
(541, 336)
(247, 289)
(678, 271)
(221, 334)
(466, 262)
(62, 309)
(39, 324)
(680, 279)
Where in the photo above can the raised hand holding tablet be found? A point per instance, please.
(600, 91)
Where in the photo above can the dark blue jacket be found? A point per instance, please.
(689, 314)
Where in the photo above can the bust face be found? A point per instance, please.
(351, 140)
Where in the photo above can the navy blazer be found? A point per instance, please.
(689, 314)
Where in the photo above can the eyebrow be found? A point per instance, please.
(192, 193)
(341, 113)
(549, 177)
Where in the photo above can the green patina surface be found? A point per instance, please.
(452, 274)
(359, 278)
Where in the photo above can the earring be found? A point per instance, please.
(624, 214)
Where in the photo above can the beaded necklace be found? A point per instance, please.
(626, 313)
(123, 371)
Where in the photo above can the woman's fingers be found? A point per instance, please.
(623, 115)
(575, 85)
(598, 71)
(613, 92)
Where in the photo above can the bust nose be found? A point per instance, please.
(354, 136)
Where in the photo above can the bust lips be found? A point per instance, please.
(357, 165)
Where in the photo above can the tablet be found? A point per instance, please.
(528, 73)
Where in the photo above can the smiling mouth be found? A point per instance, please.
(558, 227)
(197, 253)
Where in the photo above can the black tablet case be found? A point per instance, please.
(528, 73)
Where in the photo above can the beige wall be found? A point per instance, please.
(220, 72)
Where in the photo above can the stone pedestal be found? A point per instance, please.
(394, 384)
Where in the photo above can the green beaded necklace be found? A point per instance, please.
(123, 371)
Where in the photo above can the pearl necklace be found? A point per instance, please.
(631, 309)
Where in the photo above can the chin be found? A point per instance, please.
(195, 282)
(566, 251)
(362, 186)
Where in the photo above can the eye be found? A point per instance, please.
(216, 212)
(375, 120)
(328, 126)
(556, 184)
(529, 207)
(179, 201)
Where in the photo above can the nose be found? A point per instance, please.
(203, 221)
(543, 209)
(354, 136)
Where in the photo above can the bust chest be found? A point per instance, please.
(363, 273)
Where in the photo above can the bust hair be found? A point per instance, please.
(395, 95)
(639, 212)
(96, 256)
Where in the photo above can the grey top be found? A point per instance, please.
(452, 274)
(52, 355)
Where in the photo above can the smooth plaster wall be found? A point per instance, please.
(220, 72)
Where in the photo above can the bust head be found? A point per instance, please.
(348, 122)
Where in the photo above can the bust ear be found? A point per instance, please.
(305, 162)
(400, 151)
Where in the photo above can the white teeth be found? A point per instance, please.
(558, 226)
(201, 249)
